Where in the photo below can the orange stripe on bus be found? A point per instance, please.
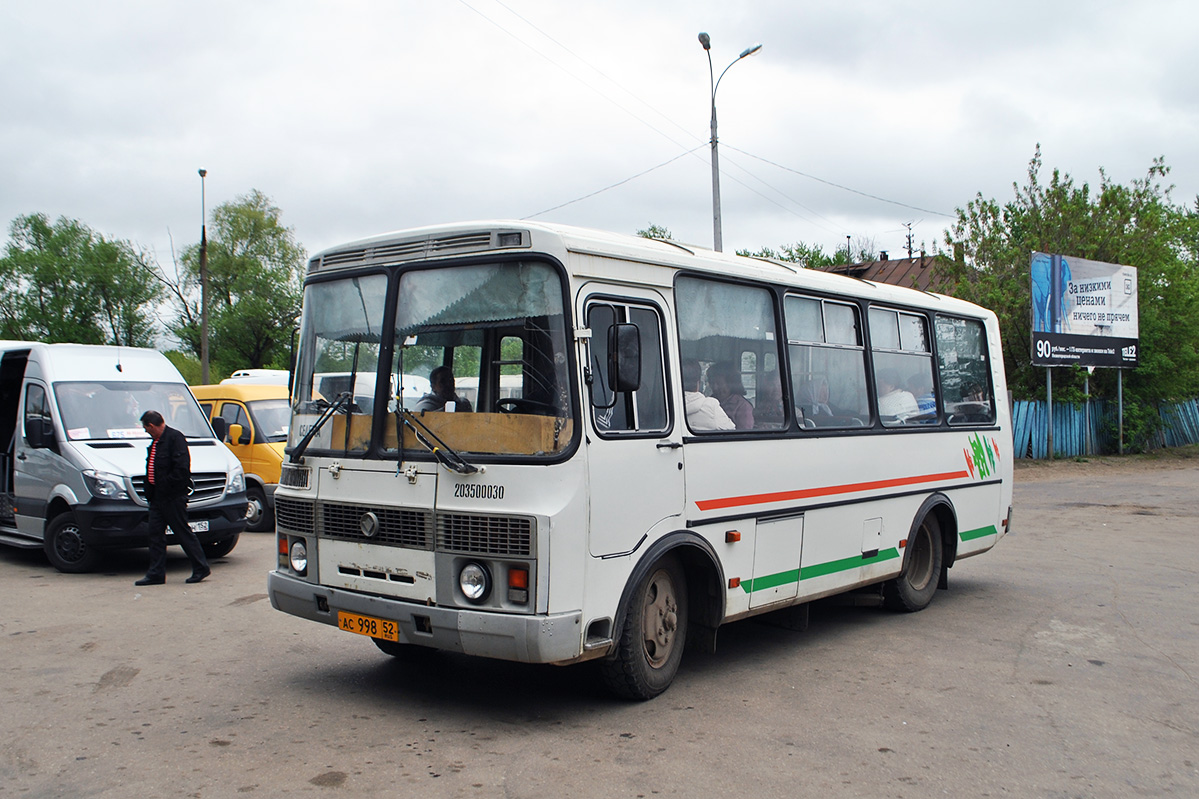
(827, 491)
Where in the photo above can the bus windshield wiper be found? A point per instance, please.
(442, 451)
(342, 399)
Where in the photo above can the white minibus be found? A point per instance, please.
(73, 452)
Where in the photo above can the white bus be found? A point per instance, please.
(608, 508)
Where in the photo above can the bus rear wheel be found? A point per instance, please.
(914, 588)
(653, 635)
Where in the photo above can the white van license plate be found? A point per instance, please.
(198, 527)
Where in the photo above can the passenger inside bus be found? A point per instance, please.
(725, 380)
(442, 381)
(768, 413)
(893, 400)
(813, 400)
(921, 388)
(703, 413)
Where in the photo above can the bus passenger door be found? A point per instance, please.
(634, 452)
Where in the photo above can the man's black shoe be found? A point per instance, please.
(150, 581)
(197, 577)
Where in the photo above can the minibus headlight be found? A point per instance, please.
(237, 481)
(104, 485)
(299, 557)
(475, 582)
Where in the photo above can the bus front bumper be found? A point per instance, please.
(527, 639)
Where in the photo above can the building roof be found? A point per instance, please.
(918, 273)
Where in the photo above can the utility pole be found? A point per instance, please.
(203, 283)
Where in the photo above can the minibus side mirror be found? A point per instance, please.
(624, 357)
(39, 432)
(238, 434)
(220, 426)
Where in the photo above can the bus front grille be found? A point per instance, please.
(294, 516)
(395, 527)
(510, 536)
(489, 535)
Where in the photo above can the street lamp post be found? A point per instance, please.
(714, 84)
(203, 283)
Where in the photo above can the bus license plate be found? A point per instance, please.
(198, 527)
(365, 625)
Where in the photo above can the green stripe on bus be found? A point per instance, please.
(982, 532)
(808, 572)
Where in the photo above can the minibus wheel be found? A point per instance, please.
(66, 548)
(653, 635)
(913, 589)
(219, 549)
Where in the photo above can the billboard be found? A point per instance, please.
(1083, 312)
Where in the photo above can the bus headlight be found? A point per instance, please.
(475, 582)
(299, 557)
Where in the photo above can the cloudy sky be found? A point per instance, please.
(359, 117)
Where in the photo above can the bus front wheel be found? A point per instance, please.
(914, 588)
(653, 635)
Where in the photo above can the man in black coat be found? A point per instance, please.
(168, 479)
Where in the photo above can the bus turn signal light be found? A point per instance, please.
(734, 582)
(518, 586)
(732, 536)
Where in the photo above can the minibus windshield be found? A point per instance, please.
(112, 409)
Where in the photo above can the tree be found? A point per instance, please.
(255, 274)
(655, 232)
(813, 256)
(1135, 225)
(65, 282)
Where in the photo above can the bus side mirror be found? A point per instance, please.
(624, 357)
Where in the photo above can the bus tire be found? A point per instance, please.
(66, 548)
(914, 588)
(653, 635)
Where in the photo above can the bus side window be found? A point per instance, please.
(964, 371)
(828, 362)
(642, 409)
(729, 330)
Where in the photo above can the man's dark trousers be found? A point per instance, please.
(172, 513)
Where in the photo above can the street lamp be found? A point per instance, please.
(706, 41)
(203, 283)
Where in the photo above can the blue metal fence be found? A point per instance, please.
(1030, 424)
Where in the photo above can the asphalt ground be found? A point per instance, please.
(1063, 663)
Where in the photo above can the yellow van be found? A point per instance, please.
(253, 421)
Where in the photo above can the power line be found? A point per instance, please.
(614, 185)
(839, 186)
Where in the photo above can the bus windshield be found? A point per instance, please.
(478, 362)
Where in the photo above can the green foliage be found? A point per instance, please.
(64, 282)
(188, 366)
(655, 232)
(813, 256)
(1135, 225)
(255, 274)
